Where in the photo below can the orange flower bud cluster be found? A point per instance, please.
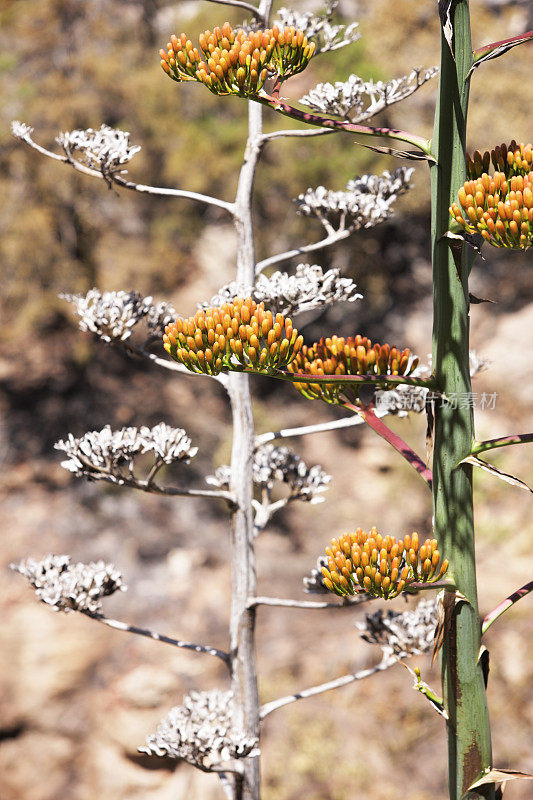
(511, 159)
(380, 565)
(498, 207)
(235, 62)
(353, 356)
(238, 336)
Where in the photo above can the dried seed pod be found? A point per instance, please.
(353, 356)
(237, 62)
(237, 336)
(381, 566)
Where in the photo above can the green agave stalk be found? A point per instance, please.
(469, 739)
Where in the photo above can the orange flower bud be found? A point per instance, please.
(379, 572)
(219, 336)
(498, 206)
(255, 53)
(338, 356)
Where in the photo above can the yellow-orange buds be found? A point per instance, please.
(500, 207)
(235, 62)
(353, 356)
(238, 336)
(380, 565)
(511, 159)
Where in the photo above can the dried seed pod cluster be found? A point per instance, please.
(353, 356)
(498, 207)
(238, 336)
(380, 565)
(236, 62)
(511, 159)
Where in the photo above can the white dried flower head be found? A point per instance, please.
(71, 587)
(98, 455)
(340, 99)
(309, 288)
(402, 400)
(169, 444)
(314, 582)
(320, 27)
(286, 294)
(21, 131)
(106, 149)
(360, 100)
(159, 316)
(99, 452)
(385, 185)
(365, 202)
(402, 634)
(221, 477)
(226, 294)
(272, 464)
(201, 731)
(109, 315)
(306, 483)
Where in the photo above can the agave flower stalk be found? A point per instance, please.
(468, 727)
(243, 664)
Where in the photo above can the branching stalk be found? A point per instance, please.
(345, 125)
(320, 427)
(120, 479)
(158, 637)
(241, 4)
(278, 602)
(294, 132)
(337, 236)
(369, 416)
(337, 683)
(166, 363)
(113, 177)
(244, 581)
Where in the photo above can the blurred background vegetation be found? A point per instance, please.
(78, 701)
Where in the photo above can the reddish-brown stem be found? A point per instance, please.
(377, 425)
(501, 441)
(504, 605)
(276, 87)
(343, 125)
(512, 41)
(346, 380)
